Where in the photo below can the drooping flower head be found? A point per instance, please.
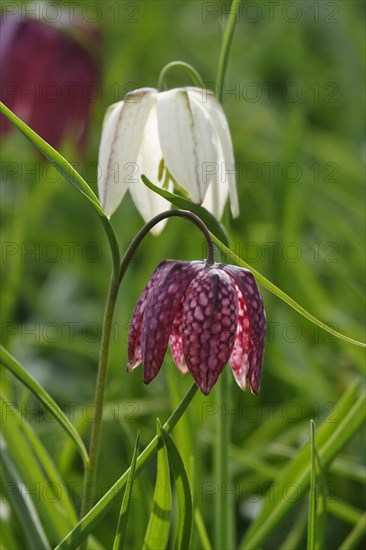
(186, 131)
(48, 77)
(212, 315)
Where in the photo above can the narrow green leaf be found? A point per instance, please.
(201, 529)
(65, 168)
(123, 516)
(221, 240)
(343, 468)
(293, 481)
(282, 295)
(356, 535)
(344, 510)
(36, 485)
(22, 503)
(96, 514)
(54, 157)
(28, 454)
(185, 204)
(184, 494)
(296, 533)
(19, 372)
(7, 529)
(157, 532)
(312, 492)
(320, 501)
(48, 467)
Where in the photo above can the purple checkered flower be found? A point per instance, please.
(49, 74)
(212, 315)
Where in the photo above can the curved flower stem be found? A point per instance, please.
(94, 446)
(225, 48)
(168, 214)
(186, 67)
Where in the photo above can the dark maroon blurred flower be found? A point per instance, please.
(212, 314)
(48, 78)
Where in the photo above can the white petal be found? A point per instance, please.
(218, 190)
(122, 132)
(187, 140)
(227, 171)
(148, 203)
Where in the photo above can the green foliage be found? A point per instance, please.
(292, 98)
(123, 516)
(17, 370)
(157, 532)
(184, 495)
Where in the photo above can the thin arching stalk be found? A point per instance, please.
(94, 446)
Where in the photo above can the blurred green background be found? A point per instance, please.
(294, 100)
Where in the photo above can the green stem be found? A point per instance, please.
(94, 446)
(185, 67)
(113, 243)
(223, 508)
(223, 512)
(225, 48)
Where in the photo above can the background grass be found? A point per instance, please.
(295, 103)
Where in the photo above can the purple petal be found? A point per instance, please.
(160, 311)
(176, 342)
(48, 77)
(247, 285)
(134, 336)
(239, 359)
(210, 309)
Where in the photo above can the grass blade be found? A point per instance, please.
(157, 532)
(184, 494)
(355, 536)
(54, 157)
(294, 479)
(123, 516)
(22, 503)
(282, 295)
(19, 372)
(316, 497)
(312, 492)
(201, 529)
(96, 514)
(34, 482)
(48, 467)
(65, 168)
(221, 240)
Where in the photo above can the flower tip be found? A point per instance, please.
(108, 208)
(129, 367)
(146, 380)
(204, 387)
(255, 386)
